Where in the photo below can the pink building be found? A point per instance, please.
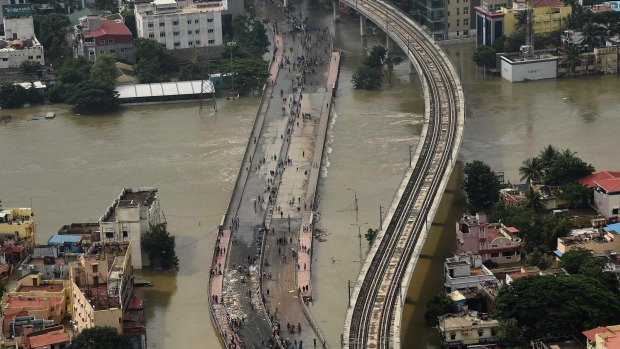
(493, 241)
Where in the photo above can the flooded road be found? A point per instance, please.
(72, 168)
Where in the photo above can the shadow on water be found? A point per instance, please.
(428, 274)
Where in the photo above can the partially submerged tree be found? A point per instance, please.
(440, 304)
(159, 245)
(100, 337)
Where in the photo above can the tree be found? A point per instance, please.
(573, 259)
(52, 30)
(481, 185)
(591, 35)
(250, 35)
(153, 61)
(509, 335)
(548, 155)
(30, 67)
(575, 193)
(93, 97)
(376, 57)
(130, 21)
(104, 70)
(538, 258)
(14, 96)
(370, 235)
(249, 73)
(566, 169)
(100, 337)
(367, 78)
(533, 200)
(106, 5)
(390, 61)
(553, 306)
(531, 170)
(440, 304)
(484, 56)
(159, 245)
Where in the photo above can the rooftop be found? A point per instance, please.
(57, 335)
(469, 320)
(74, 18)
(79, 229)
(610, 185)
(17, 301)
(178, 88)
(588, 181)
(109, 27)
(130, 197)
(62, 239)
(48, 288)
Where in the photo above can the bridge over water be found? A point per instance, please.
(374, 318)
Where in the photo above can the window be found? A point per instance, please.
(125, 233)
(30, 57)
(162, 24)
(177, 44)
(175, 33)
(210, 31)
(197, 42)
(458, 21)
(480, 333)
(109, 235)
(151, 35)
(197, 31)
(5, 59)
(95, 268)
(39, 57)
(190, 43)
(210, 20)
(175, 22)
(494, 255)
(465, 10)
(96, 280)
(212, 41)
(196, 21)
(102, 42)
(452, 336)
(189, 22)
(122, 50)
(465, 22)
(458, 11)
(150, 25)
(101, 52)
(189, 32)
(162, 35)
(112, 52)
(614, 211)
(111, 41)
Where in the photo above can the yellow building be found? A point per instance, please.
(547, 16)
(101, 286)
(459, 330)
(48, 300)
(18, 221)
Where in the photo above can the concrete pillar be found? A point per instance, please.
(388, 43)
(285, 3)
(362, 25)
(335, 5)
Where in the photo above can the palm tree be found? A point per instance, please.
(548, 155)
(533, 200)
(591, 35)
(390, 61)
(532, 170)
(571, 57)
(567, 153)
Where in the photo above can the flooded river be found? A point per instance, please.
(71, 168)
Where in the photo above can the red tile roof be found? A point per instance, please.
(591, 334)
(610, 185)
(56, 337)
(109, 27)
(588, 181)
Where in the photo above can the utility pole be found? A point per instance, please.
(380, 218)
(359, 234)
(356, 206)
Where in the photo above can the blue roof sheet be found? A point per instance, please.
(61, 239)
(613, 227)
(558, 253)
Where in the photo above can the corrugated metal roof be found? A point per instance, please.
(162, 89)
(61, 239)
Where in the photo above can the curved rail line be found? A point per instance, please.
(374, 319)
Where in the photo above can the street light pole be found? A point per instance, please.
(231, 44)
(356, 206)
(359, 234)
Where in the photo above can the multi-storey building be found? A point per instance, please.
(129, 217)
(101, 286)
(493, 242)
(181, 25)
(96, 36)
(19, 43)
(461, 330)
(18, 222)
(465, 272)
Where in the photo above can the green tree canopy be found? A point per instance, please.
(153, 61)
(94, 97)
(572, 260)
(52, 30)
(367, 78)
(30, 67)
(370, 235)
(104, 70)
(14, 96)
(99, 337)
(532, 170)
(249, 73)
(567, 168)
(552, 306)
(440, 304)
(250, 35)
(73, 70)
(484, 56)
(159, 245)
(481, 185)
(376, 57)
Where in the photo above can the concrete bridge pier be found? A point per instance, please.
(362, 25)
(285, 3)
(411, 68)
(335, 5)
(389, 43)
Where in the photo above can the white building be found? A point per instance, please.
(518, 69)
(181, 25)
(130, 217)
(464, 272)
(19, 43)
(460, 330)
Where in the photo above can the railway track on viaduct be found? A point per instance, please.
(374, 318)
